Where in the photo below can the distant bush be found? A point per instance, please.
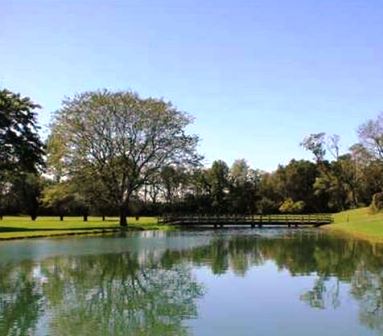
(289, 206)
(267, 206)
(377, 202)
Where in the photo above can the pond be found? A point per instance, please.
(222, 282)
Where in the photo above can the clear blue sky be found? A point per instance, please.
(258, 75)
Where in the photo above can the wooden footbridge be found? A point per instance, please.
(312, 220)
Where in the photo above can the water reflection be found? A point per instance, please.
(147, 288)
(104, 295)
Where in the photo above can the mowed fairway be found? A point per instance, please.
(360, 223)
(24, 227)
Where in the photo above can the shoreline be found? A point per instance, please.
(353, 224)
(373, 239)
(69, 233)
(14, 228)
(358, 224)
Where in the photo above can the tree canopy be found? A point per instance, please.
(21, 149)
(112, 153)
(122, 141)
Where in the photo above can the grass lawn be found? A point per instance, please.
(359, 223)
(23, 227)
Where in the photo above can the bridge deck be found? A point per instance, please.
(255, 220)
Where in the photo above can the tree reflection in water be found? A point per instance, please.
(21, 300)
(331, 259)
(126, 294)
(98, 295)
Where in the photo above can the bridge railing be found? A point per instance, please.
(246, 219)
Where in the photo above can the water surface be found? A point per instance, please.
(222, 282)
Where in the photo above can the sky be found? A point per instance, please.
(257, 75)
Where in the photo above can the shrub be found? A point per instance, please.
(377, 202)
(289, 206)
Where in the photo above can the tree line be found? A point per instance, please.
(115, 153)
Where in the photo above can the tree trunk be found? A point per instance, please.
(33, 217)
(123, 221)
(61, 218)
(103, 218)
(85, 217)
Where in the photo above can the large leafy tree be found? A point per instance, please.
(172, 180)
(121, 141)
(21, 149)
(371, 136)
(295, 182)
(244, 183)
(218, 176)
(25, 193)
(336, 178)
(370, 154)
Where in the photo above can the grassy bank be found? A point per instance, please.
(359, 223)
(24, 227)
